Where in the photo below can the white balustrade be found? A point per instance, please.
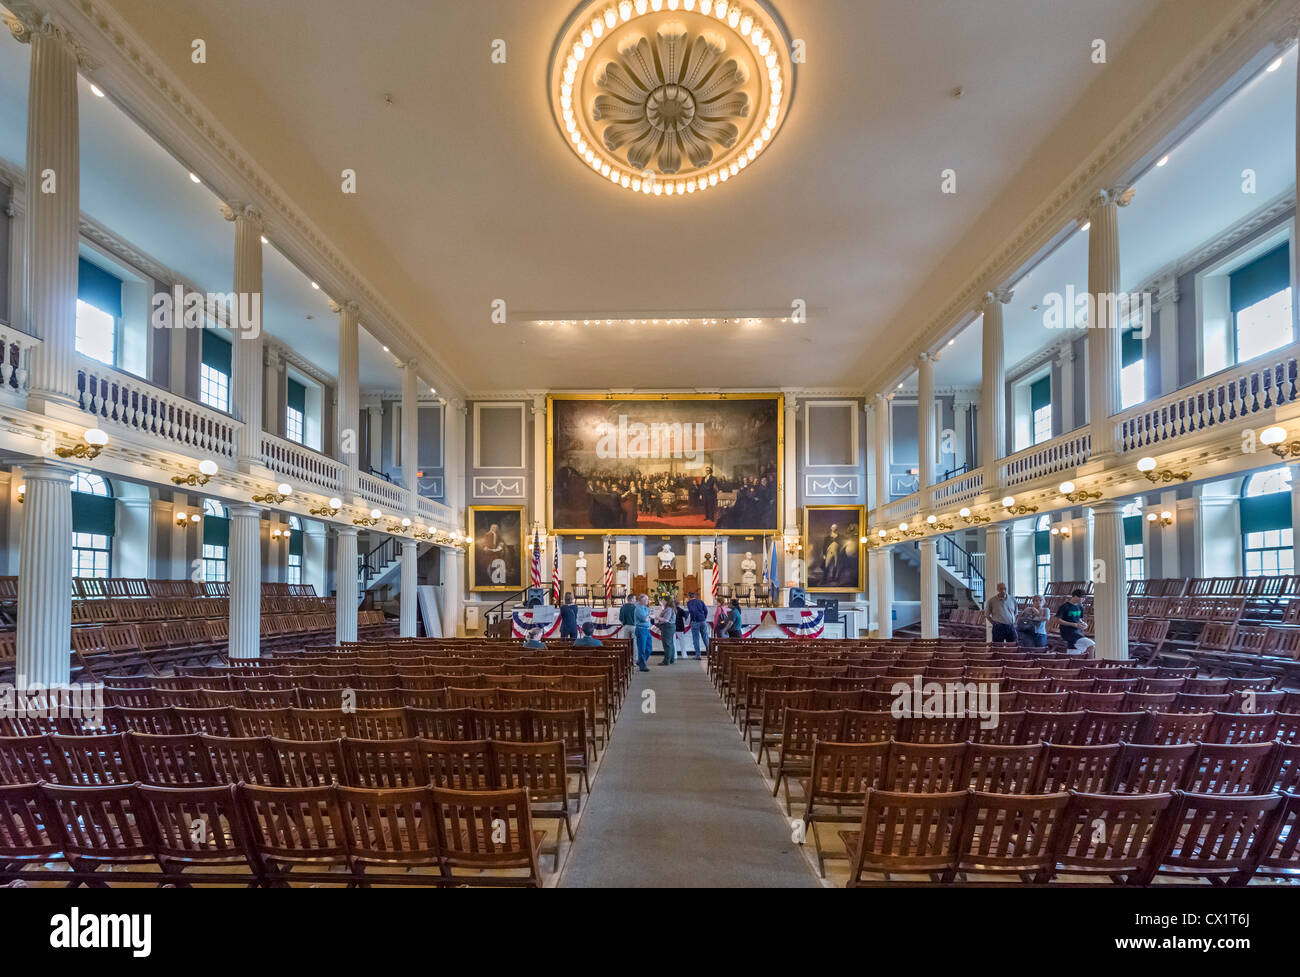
(1057, 455)
(963, 488)
(900, 509)
(301, 465)
(16, 358)
(382, 493)
(435, 514)
(120, 400)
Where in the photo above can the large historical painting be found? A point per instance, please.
(832, 547)
(496, 550)
(691, 464)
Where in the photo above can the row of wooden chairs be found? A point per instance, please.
(119, 610)
(842, 773)
(1227, 839)
(268, 836)
(1285, 585)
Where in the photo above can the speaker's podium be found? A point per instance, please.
(667, 574)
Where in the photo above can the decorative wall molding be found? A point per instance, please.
(832, 486)
(523, 432)
(497, 487)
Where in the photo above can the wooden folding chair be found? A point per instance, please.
(1218, 837)
(1009, 833)
(485, 834)
(906, 833)
(841, 775)
(1112, 836)
(296, 835)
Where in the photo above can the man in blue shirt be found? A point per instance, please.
(699, 614)
(587, 640)
(641, 614)
(568, 618)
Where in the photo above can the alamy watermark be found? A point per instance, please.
(1073, 309)
(945, 700)
(185, 309)
(73, 700)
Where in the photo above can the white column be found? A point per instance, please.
(375, 438)
(45, 576)
(16, 211)
(1167, 323)
(453, 560)
(1104, 351)
(1295, 511)
(541, 485)
(961, 427)
(1065, 363)
(53, 213)
(411, 431)
(993, 400)
(1169, 566)
(873, 585)
(929, 589)
(407, 619)
(314, 539)
(789, 454)
(925, 435)
(133, 541)
(244, 558)
(272, 408)
(247, 331)
(884, 592)
(345, 585)
(1109, 588)
(349, 396)
(883, 454)
(995, 564)
(869, 469)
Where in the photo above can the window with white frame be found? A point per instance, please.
(1268, 538)
(92, 526)
(215, 372)
(293, 572)
(1134, 552)
(1133, 371)
(216, 539)
(1043, 554)
(1040, 404)
(1259, 296)
(99, 308)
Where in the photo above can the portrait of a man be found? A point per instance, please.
(496, 551)
(832, 547)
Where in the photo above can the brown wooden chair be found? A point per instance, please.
(1148, 769)
(29, 839)
(1050, 727)
(171, 760)
(906, 833)
(392, 835)
(924, 768)
(198, 835)
(1002, 768)
(1009, 833)
(1217, 837)
(101, 826)
(1282, 858)
(389, 764)
(1089, 769)
(801, 729)
(841, 775)
(90, 761)
(458, 764)
(538, 768)
(1242, 727)
(311, 763)
(296, 835)
(25, 760)
(1108, 727)
(1238, 768)
(1112, 836)
(243, 759)
(487, 831)
(569, 726)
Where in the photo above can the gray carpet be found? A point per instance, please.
(679, 801)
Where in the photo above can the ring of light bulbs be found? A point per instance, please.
(754, 21)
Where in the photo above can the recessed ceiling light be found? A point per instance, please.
(194, 179)
(1086, 225)
(264, 240)
(385, 349)
(951, 341)
(1162, 160)
(1274, 64)
(314, 285)
(96, 91)
(433, 390)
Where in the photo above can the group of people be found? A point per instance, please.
(1031, 623)
(621, 499)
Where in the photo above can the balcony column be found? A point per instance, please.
(961, 429)
(925, 441)
(883, 455)
(789, 458)
(541, 485)
(409, 559)
(45, 577)
(993, 401)
(995, 565)
(1109, 588)
(929, 588)
(273, 406)
(884, 591)
(1065, 363)
(411, 431)
(53, 211)
(1167, 324)
(453, 558)
(244, 558)
(246, 326)
(345, 585)
(1104, 348)
(349, 396)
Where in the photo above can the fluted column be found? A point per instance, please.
(453, 559)
(993, 400)
(1109, 588)
(995, 565)
(244, 558)
(1065, 366)
(1104, 348)
(961, 430)
(884, 592)
(272, 406)
(929, 589)
(925, 440)
(345, 585)
(45, 576)
(53, 211)
(789, 459)
(349, 396)
(541, 486)
(408, 605)
(411, 430)
(884, 453)
(246, 327)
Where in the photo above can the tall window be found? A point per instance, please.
(93, 518)
(1133, 371)
(99, 307)
(1043, 554)
(293, 573)
(1040, 403)
(1259, 295)
(1266, 530)
(295, 411)
(216, 538)
(1134, 554)
(214, 372)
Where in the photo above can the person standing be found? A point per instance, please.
(641, 629)
(1000, 612)
(683, 626)
(1034, 622)
(1072, 626)
(667, 621)
(627, 617)
(568, 618)
(699, 613)
(709, 495)
(731, 623)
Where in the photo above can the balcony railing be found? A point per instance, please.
(120, 400)
(15, 358)
(302, 465)
(957, 490)
(900, 509)
(1058, 455)
(378, 492)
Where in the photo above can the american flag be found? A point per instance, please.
(609, 569)
(713, 584)
(537, 559)
(555, 576)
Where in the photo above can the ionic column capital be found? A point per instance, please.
(26, 23)
(993, 296)
(243, 212)
(1119, 196)
(351, 307)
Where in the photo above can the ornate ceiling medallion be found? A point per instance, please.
(671, 97)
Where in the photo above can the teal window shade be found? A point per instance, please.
(1131, 347)
(1267, 275)
(1264, 512)
(297, 396)
(93, 514)
(1132, 530)
(216, 352)
(1043, 542)
(1040, 393)
(295, 542)
(99, 288)
(216, 531)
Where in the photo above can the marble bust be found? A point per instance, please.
(748, 570)
(667, 558)
(580, 568)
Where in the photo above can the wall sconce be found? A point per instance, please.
(207, 468)
(281, 493)
(395, 528)
(1147, 466)
(425, 535)
(331, 508)
(92, 443)
(277, 533)
(1067, 490)
(934, 523)
(1164, 519)
(373, 520)
(1009, 503)
(22, 493)
(1062, 530)
(792, 545)
(903, 530)
(1275, 438)
(184, 521)
(965, 513)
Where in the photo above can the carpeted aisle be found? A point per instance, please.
(679, 801)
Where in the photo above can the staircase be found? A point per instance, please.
(382, 563)
(963, 570)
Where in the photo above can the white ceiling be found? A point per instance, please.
(467, 194)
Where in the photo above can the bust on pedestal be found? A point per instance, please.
(580, 568)
(748, 570)
(622, 573)
(667, 563)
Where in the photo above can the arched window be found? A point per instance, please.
(1134, 554)
(93, 522)
(216, 537)
(293, 572)
(1267, 536)
(1043, 553)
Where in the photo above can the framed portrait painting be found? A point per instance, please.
(835, 558)
(496, 560)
